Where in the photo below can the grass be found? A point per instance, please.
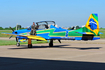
(12, 42)
(103, 31)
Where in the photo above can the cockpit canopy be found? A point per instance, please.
(43, 25)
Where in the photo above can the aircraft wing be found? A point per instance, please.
(28, 36)
(35, 37)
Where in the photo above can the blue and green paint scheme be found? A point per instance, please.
(89, 32)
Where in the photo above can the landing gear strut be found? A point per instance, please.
(17, 44)
(29, 43)
(51, 43)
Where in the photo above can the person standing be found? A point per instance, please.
(33, 29)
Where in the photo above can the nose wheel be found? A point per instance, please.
(18, 44)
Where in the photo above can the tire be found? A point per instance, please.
(29, 45)
(51, 43)
(18, 44)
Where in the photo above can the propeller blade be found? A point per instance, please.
(11, 29)
(10, 36)
(59, 41)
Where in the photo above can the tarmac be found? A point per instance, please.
(74, 55)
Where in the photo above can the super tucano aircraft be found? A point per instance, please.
(46, 31)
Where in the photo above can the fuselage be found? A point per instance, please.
(58, 33)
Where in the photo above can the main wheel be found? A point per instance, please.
(51, 43)
(29, 45)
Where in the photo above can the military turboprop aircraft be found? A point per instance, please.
(45, 32)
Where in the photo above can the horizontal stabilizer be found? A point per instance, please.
(85, 33)
(100, 33)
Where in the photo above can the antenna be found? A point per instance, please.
(16, 26)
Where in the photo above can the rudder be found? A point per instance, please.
(92, 24)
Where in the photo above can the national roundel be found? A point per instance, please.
(93, 24)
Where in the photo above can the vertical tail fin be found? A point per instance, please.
(92, 24)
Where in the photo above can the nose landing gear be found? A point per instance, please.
(17, 44)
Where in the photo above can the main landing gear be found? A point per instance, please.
(51, 43)
(29, 43)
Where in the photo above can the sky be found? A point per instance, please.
(65, 13)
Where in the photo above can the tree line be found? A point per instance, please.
(14, 28)
(20, 27)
